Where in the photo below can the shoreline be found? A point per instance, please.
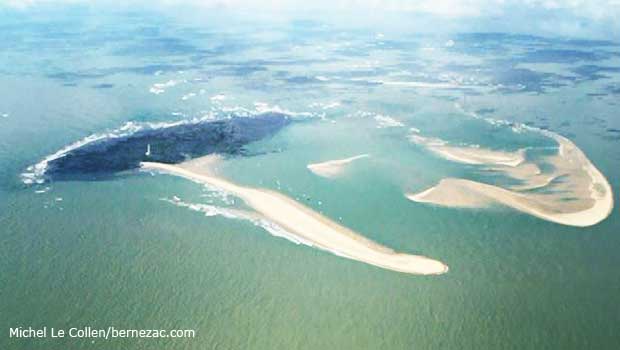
(308, 224)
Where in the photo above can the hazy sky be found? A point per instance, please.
(600, 18)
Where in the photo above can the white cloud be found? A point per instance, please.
(26, 4)
(449, 8)
(18, 4)
(592, 9)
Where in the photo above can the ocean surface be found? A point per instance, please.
(87, 239)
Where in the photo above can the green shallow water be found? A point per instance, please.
(113, 253)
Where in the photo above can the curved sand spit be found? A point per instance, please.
(574, 193)
(333, 168)
(306, 223)
(470, 154)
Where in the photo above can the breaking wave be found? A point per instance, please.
(102, 154)
(231, 213)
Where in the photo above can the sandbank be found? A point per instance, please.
(469, 154)
(333, 168)
(302, 221)
(582, 198)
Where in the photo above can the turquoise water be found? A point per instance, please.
(113, 253)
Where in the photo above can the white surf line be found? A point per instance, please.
(160, 88)
(311, 226)
(333, 168)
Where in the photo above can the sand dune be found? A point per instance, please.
(302, 221)
(583, 197)
(333, 168)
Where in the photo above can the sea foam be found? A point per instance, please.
(231, 213)
(36, 173)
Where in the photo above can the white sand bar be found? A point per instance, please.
(469, 154)
(333, 168)
(306, 223)
(582, 198)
